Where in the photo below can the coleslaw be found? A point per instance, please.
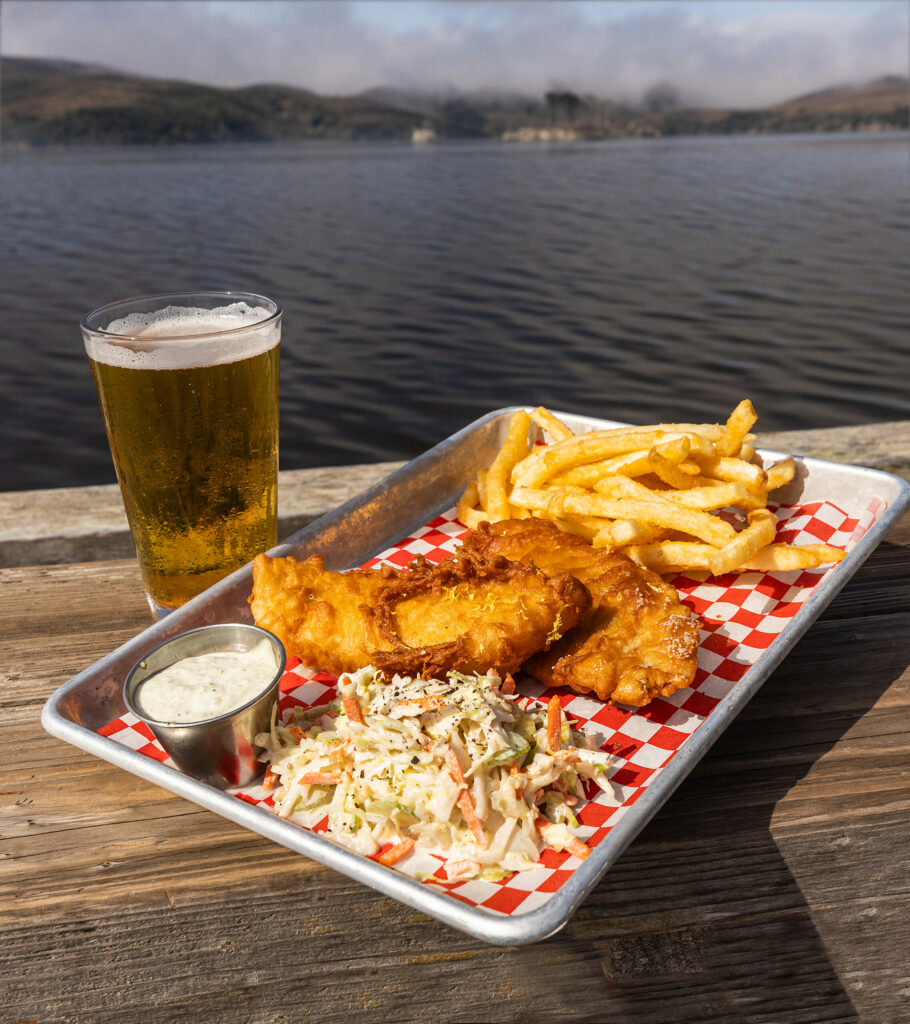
(452, 766)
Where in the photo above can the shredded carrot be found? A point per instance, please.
(319, 779)
(470, 816)
(579, 848)
(297, 732)
(508, 685)
(398, 852)
(519, 790)
(454, 766)
(569, 756)
(424, 702)
(338, 755)
(574, 845)
(270, 780)
(462, 867)
(353, 710)
(554, 724)
(464, 797)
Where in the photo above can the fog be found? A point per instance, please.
(712, 53)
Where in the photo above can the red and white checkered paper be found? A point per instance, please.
(741, 614)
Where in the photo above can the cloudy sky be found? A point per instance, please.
(730, 52)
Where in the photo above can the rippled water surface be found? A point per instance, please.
(422, 287)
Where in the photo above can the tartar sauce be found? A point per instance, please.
(195, 689)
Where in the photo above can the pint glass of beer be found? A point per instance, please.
(188, 385)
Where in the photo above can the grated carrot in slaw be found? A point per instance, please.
(450, 766)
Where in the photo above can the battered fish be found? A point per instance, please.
(469, 613)
(636, 642)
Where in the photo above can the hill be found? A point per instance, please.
(881, 104)
(54, 102)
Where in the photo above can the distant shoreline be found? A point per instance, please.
(56, 103)
(19, 147)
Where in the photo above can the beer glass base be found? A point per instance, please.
(159, 611)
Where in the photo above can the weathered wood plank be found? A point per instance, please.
(883, 446)
(883, 584)
(713, 938)
(83, 524)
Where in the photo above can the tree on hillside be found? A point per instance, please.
(562, 104)
(660, 97)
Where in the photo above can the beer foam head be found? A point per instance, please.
(178, 337)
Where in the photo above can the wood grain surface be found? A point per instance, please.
(86, 524)
(772, 887)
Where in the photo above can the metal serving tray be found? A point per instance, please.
(366, 526)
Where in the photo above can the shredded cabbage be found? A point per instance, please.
(393, 778)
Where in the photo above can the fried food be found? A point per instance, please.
(637, 641)
(650, 491)
(470, 613)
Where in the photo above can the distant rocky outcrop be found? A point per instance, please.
(47, 102)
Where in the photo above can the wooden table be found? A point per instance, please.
(773, 886)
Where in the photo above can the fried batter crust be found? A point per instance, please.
(469, 613)
(636, 642)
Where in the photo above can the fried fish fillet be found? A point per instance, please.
(637, 641)
(469, 613)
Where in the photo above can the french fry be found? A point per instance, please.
(624, 487)
(581, 526)
(550, 423)
(720, 495)
(622, 532)
(671, 555)
(748, 454)
(738, 426)
(482, 500)
(780, 473)
(467, 502)
(679, 556)
(712, 431)
(658, 511)
(581, 449)
(534, 499)
(756, 499)
(633, 464)
(757, 535)
(786, 557)
(667, 471)
(512, 452)
(466, 511)
(734, 470)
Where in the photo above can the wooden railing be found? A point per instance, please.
(87, 524)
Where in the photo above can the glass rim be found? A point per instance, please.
(115, 337)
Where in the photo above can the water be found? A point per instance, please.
(422, 287)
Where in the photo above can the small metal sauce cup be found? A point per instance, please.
(220, 751)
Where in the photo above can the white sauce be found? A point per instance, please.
(195, 689)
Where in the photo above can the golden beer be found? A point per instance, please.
(193, 430)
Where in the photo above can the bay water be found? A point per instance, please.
(637, 280)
